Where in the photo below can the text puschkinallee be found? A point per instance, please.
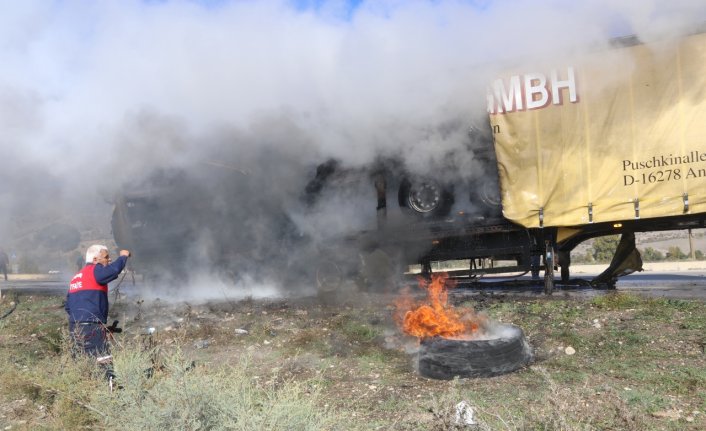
(663, 168)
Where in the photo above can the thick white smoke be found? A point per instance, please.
(95, 95)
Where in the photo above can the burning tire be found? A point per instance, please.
(444, 358)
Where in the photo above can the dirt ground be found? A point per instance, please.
(611, 362)
(368, 365)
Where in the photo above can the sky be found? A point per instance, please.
(95, 95)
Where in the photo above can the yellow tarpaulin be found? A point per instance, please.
(615, 135)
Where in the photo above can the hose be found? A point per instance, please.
(14, 306)
(116, 291)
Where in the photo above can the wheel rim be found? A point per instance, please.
(489, 194)
(328, 276)
(424, 197)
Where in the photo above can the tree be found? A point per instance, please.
(604, 247)
(27, 264)
(649, 254)
(583, 258)
(675, 253)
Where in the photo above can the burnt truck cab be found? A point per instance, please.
(424, 218)
(155, 220)
(566, 169)
(421, 219)
(177, 224)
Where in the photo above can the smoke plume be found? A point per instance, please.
(242, 100)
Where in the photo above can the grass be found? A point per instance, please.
(347, 368)
(181, 396)
(358, 332)
(168, 394)
(618, 301)
(161, 388)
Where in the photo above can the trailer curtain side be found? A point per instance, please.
(614, 135)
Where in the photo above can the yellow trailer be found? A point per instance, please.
(619, 134)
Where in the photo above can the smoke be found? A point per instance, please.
(94, 97)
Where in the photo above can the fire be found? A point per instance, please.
(435, 318)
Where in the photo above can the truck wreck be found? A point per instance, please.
(584, 153)
(178, 222)
(567, 153)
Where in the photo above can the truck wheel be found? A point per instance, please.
(443, 358)
(329, 277)
(425, 198)
(487, 197)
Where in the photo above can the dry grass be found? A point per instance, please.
(639, 365)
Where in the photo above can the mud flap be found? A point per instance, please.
(626, 260)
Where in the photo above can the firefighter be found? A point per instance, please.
(87, 302)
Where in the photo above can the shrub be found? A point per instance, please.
(675, 253)
(604, 247)
(650, 254)
(174, 394)
(583, 258)
(28, 265)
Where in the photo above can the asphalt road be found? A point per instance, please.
(686, 285)
(670, 284)
(33, 287)
(676, 284)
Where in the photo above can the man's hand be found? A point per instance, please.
(113, 329)
(125, 253)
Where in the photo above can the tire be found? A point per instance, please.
(329, 280)
(329, 277)
(487, 198)
(444, 359)
(425, 198)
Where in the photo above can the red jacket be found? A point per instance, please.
(87, 299)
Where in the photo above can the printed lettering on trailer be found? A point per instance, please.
(661, 168)
(531, 91)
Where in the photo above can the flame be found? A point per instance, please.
(434, 318)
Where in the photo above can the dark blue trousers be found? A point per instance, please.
(89, 338)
